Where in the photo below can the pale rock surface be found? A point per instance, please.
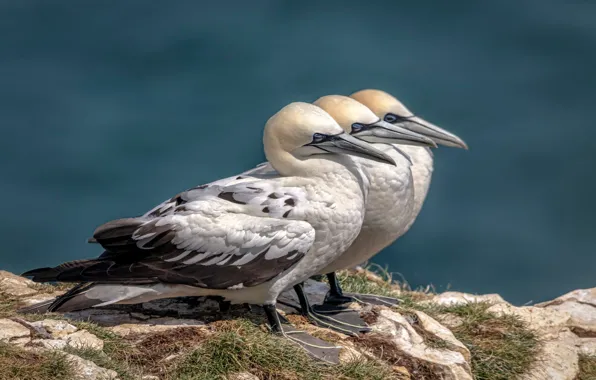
(13, 332)
(559, 355)
(439, 331)
(242, 376)
(84, 339)
(587, 346)
(87, 370)
(391, 324)
(549, 323)
(150, 328)
(580, 304)
(55, 328)
(50, 344)
(585, 296)
(457, 298)
(14, 285)
(558, 360)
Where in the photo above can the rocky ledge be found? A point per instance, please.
(428, 336)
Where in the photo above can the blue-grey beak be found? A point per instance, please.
(423, 127)
(346, 144)
(386, 133)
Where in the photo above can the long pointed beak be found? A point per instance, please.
(346, 144)
(438, 135)
(386, 133)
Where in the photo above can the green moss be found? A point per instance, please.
(19, 364)
(587, 368)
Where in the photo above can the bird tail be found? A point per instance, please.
(90, 295)
(63, 303)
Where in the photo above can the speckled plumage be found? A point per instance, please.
(246, 239)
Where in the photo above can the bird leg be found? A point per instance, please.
(317, 348)
(336, 296)
(343, 320)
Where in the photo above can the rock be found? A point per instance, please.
(181, 307)
(149, 377)
(55, 328)
(457, 298)
(582, 317)
(439, 331)
(558, 360)
(242, 376)
(51, 344)
(585, 296)
(450, 364)
(14, 285)
(401, 372)
(103, 317)
(150, 328)
(548, 323)
(580, 305)
(587, 346)
(87, 370)
(349, 354)
(13, 332)
(84, 339)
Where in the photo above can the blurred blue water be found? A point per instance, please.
(109, 107)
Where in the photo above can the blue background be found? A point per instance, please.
(109, 107)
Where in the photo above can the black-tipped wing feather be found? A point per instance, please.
(214, 237)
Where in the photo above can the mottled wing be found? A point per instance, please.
(216, 237)
(261, 171)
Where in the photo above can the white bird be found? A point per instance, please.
(246, 242)
(396, 193)
(390, 208)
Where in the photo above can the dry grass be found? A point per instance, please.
(19, 364)
(503, 347)
(587, 368)
(375, 279)
(240, 346)
(8, 305)
(51, 287)
(384, 349)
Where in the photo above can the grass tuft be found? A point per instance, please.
(502, 347)
(8, 305)
(240, 346)
(19, 364)
(587, 368)
(45, 287)
(383, 348)
(375, 279)
(115, 354)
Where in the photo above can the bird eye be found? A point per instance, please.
(318, 137)
(357, 127)
(390, 118)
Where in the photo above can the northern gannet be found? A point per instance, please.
(384, 223)
(246, 242)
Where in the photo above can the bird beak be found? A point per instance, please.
(386, 133)
(438, 135)
(346, 144)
